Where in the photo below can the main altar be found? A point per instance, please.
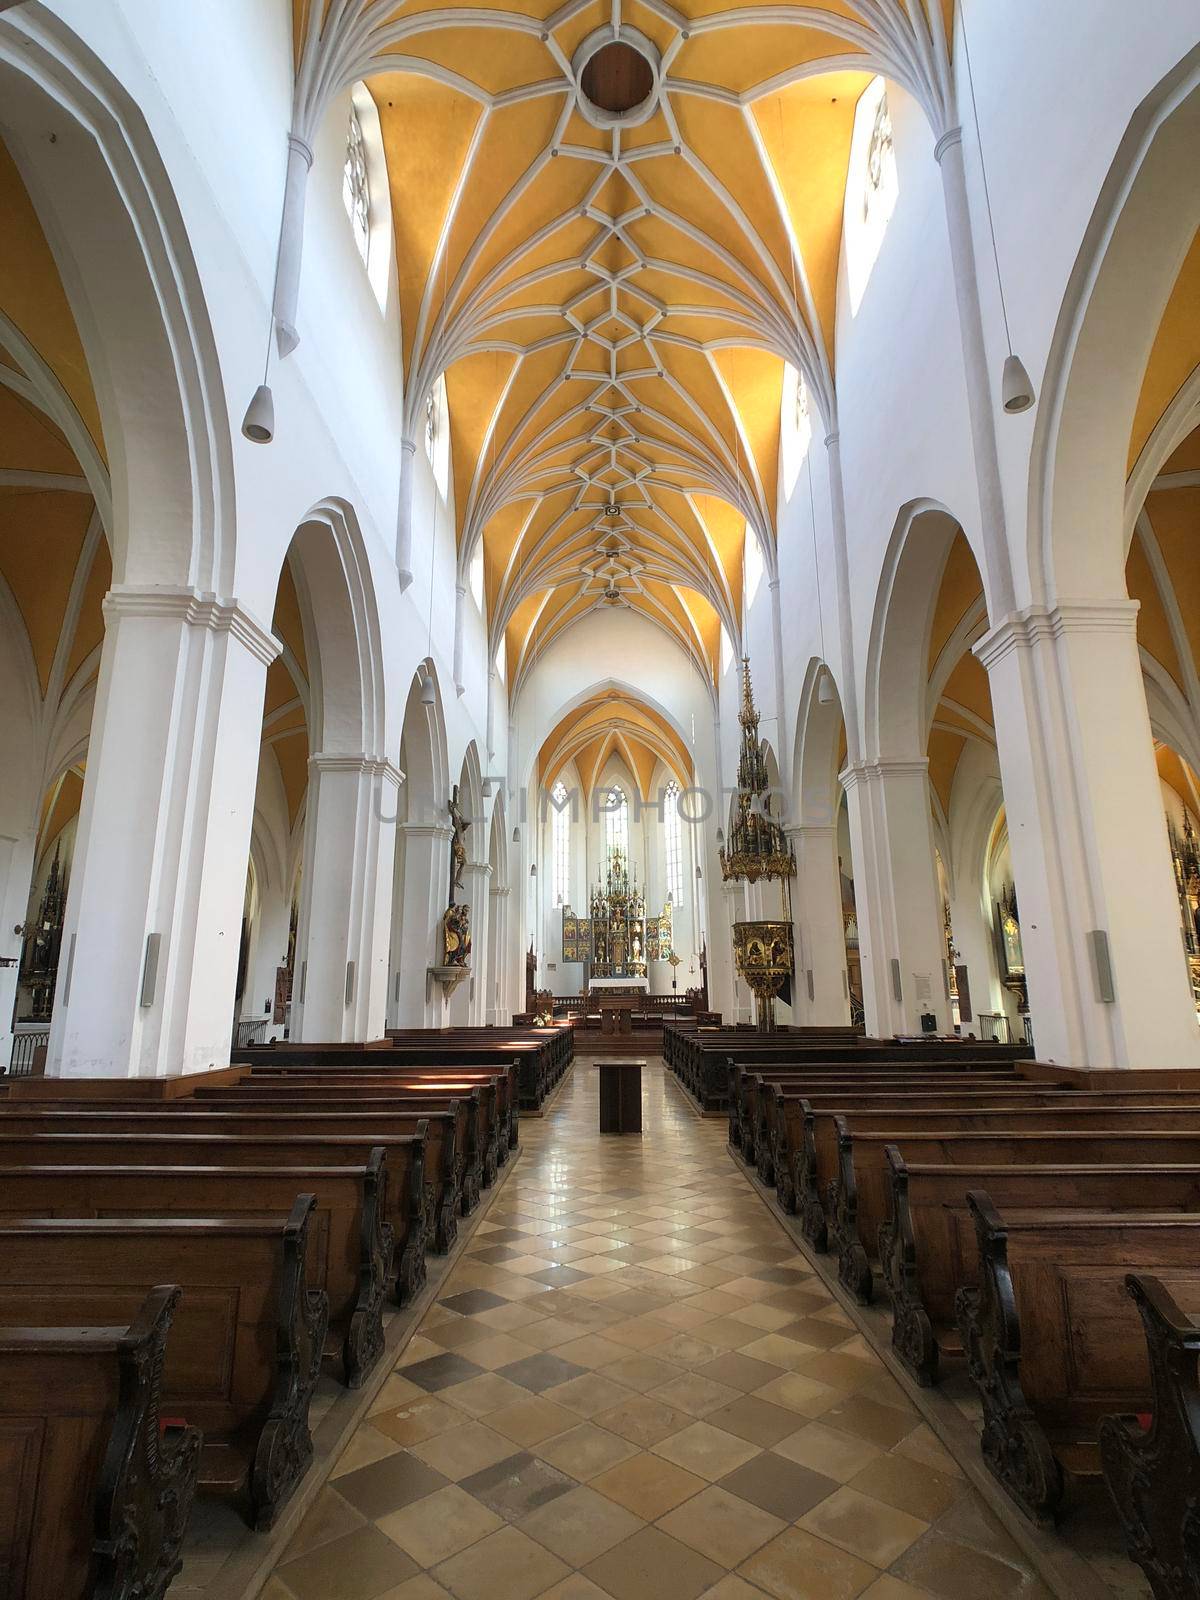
(617, 938)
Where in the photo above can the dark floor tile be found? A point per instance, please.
(812, 1330)
(737, 1370)
(517, 1485)
(559, 1277)
(362, 1564)
(536, 1373)
(782, 1487)
(469, 1301)
(756, 1420)
(389, 1484)
(494, 1255)
(782, 1275)
(439, 1372)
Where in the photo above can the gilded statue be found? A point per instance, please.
(458, 843)
(456, 936)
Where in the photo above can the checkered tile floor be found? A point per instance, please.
(632, 1388)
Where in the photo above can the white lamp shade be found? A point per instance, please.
(428, 697)
(825, 690)
(258, 425)
(1015, 387)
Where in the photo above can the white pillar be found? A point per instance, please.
(17, 850)
(982, 384)
(426, 896)
(404, 513)
(343, 929)
(1088, 837)
(150, 945)
(460, 602)
(900, 933)
(267, 955)
(496, 1000)
(819, 931)
(291, 245)
(477, 877)
(976, 951)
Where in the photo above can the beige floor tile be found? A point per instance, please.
(329, 1517)
(731, 1587)
(869, 1419)
(580, 1525)
(575, 1587)
(487, 1392)
(440, 1525)
(552, 1331)
(647, 1485)
(507, 1565)
(721, 1526)
(693, 1394)
(652, 1565)
(464, 1450)
(803, 1395)
(707, 1451)
(527, 1422)
(586, 1450)
(865, 1527)
(360, 1566)
(412, 1424)
(642, 1420)
(889, 1588)
(497, 1350)
(510, 1318)
(799, 1566)
(909, 1486)
(641, 1372)
(638, 1333)
(369, 1443)
(589, 1394)
(837, 1455)
(591, 1350)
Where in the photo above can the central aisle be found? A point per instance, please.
(633, 1387)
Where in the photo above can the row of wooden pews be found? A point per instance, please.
(1036, 1230)
(191, 1257)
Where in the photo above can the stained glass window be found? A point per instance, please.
(356, 187)
(673, 840)
(616, 823)
(560, 841)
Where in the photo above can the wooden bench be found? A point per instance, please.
(927, 1244)
(247, 1338)
(402, 1194)
(1153, 1474)
(445, 1132)
(808, 1141)
(96, 1494)
(1054, 1343)
(351, 1243)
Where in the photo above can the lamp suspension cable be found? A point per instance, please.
(1016, 387)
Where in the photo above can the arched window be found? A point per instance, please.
(560, 845)
(356, 186)
(673, 842)
(874, 187)
(616, 823)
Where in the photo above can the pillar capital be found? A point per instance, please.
(951, 137)
(1022, 630)
(372, 766)
(500, 890)
(882, 768)
(196, 609)
(426, 830)
(301, 147)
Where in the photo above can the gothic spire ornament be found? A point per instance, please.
(757, 847)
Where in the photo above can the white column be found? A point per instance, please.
(404, 513)
(267, 955)
(496, 999)
(343, 929)
(460, 602)
(740, 999)
(895, 883)
(426, 896)
(1088, 837)
(150, 945)
(291, 245)
(981, 383)
(17, 850)
(477, 877)
(976, 951)
(819, 931)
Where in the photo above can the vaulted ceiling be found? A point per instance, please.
(615, 221)
(610, 724)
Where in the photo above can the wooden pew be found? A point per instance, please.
(445, 1131)
(402, 1195)
(859, 1201)
(1153, 1474)
(96, 1495)
(812, 1151)
(1053, 1342)
(927, 1244)
(352, 1243)
(534, 1064)
(248, 1333)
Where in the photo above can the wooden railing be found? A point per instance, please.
(249, 1030)
(24, 1047)
(994, 1027)
(569, 1005)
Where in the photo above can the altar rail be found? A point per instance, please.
(571, 1005)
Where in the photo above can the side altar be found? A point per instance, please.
(617, 938)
